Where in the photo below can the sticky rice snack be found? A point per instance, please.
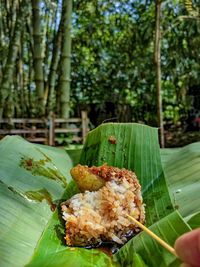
(99, 213)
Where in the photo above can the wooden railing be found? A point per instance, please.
(45, 130)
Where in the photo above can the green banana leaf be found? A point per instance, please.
(182, 169)
(34, 178)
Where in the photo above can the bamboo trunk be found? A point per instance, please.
(7, 75)
(38, 56)
(64, 77)
(53, 69)
(20, 79)
(157, 55)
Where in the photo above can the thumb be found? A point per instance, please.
(187, 247)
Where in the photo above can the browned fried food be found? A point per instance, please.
(99, 213)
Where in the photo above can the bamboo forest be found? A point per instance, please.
(99, 133)
(118, 60)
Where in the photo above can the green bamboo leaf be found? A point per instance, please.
(182, 168)
(152, 253)
(24, 214)
(194, 221)
(137, 261)
(141, 145)
(33, 236)
(135, 148)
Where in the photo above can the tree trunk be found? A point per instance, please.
(157, 55)
(64, 76)
(10, 107)
(31, 96)
(19, 75)
(38, 56)
(7, 75)
(53, 69)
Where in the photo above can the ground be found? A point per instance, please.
(178, 137)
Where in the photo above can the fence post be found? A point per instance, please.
(51, 130)
(84, 118)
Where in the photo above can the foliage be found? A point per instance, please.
(64, 140)
(112, 59)
(118, 58)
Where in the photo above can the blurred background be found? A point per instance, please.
(68, 66)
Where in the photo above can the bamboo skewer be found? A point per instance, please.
(154, 236)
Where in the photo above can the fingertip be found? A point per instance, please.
(187, 247)
(185, 265)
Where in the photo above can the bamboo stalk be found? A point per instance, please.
(38, 55)
(154, 236)
(157, 58)
(65, 62)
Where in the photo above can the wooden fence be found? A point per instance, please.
(45, 130)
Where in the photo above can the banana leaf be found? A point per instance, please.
(182, 170)
(35, 178)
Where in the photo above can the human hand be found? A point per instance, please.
(187, 248)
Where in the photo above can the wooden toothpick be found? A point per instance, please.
(154, 236)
